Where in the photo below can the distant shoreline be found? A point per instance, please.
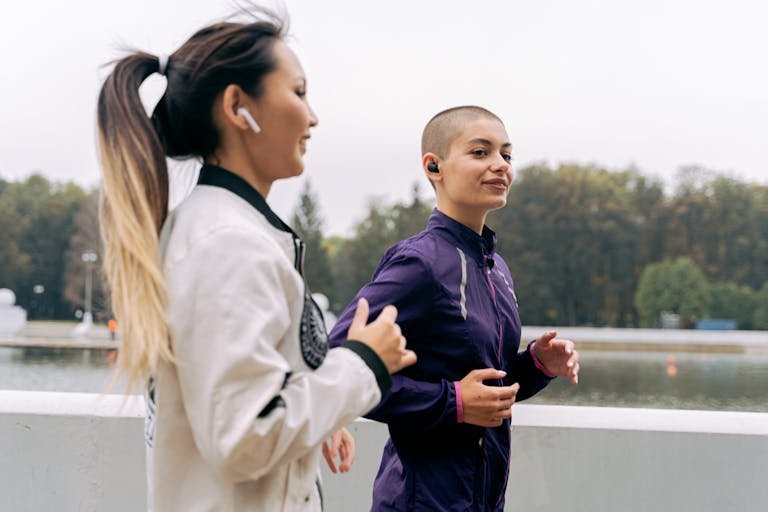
(58, 335)
(650, 340)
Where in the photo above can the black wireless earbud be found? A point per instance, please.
(432, 167)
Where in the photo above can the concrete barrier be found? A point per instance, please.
(71, 452)
(83, 452)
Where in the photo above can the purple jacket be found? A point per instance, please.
(457, 308)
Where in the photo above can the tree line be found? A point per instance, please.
(581, 240)
(586, 246)
(45, 227)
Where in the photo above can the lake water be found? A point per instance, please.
(706, 381)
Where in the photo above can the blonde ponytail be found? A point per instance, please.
(133, 208)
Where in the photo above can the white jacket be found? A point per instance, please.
(238, 421)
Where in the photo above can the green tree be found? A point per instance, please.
(720, 223)
(373, 235)
(86, 238)
(14, 262)
(340, 260)
(410, 218)
(760, 317)
(759, 260)
(355, 259)
(733, 301)
(308, 223)
(677, 286)
(570, 237)
(39, 214)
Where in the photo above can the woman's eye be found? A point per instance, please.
(479, 153)
(301, 93)
(507, 157)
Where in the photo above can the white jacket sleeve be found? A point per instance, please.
(228, 312)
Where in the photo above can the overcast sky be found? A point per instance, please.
(654, 83)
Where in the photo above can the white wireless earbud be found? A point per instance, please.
(243, 112)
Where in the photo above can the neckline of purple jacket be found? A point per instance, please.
(480, 247)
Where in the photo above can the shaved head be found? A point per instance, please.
(443, 129)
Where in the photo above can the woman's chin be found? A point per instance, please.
(295, 169)
(496, 203)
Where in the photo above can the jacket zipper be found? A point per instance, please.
(496, 310)
(501, 338)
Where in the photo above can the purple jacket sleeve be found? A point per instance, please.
(524, 370)
(417, 404)
(404, 280)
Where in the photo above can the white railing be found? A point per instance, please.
(83, 452)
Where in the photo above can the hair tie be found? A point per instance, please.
(162, 64)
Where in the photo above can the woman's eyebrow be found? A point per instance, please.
(486, 142)
(479, 140)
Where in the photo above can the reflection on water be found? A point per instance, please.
(39, 369)
(710, 381)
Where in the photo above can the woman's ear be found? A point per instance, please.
(431, 167)
(232, 100)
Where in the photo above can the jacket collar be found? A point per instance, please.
(216, 176)
(480, 247)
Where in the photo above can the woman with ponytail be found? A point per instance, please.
(215, 314)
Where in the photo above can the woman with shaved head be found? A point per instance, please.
(449, 414)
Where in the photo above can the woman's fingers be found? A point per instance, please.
(574, 374)
(342, 444)
(347, 452)
(344, 466)
(407, 358)
(328, 457)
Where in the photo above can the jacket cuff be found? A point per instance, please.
(374, 362)
(459, 403)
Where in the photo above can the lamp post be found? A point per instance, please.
(89, 258)
(38, 290)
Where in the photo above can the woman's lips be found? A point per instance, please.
(496, 184)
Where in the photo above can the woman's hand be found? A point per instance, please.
(486, 406)
(559, 357)
(383, 335)
(342, 444)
